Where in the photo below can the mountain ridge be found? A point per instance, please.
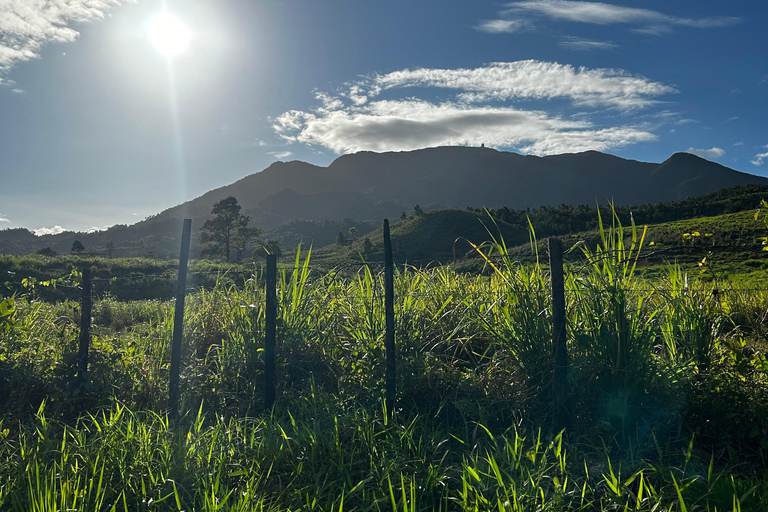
(369, 186)
(458, 176)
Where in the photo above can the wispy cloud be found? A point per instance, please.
(479, 112)
(713, 152)
(645, 21)
(255, 143)
(3, 218)
(501, 26)
(579, 44)
(601, 13)
(531, 79)
(28, 25)
(280, 154)
(55, 230)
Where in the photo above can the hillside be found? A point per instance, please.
(461, 177)
(436, 236)
(363, 188)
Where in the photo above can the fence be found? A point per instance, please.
(559, 350)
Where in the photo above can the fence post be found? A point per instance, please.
(561, 416)
(178, 321)
(389, 312)
(86, 303)
(270, 334)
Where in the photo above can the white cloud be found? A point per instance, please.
(374, 114)
(398, 125)
(55, 230)
(759, 158)
(713, 152)
(501, 26)
(280, 154)
(3, 218)
(599, 13)
(740, 143)
(28, 25)
(579, 44)
(531, 79)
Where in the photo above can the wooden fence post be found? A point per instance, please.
(86, 303)
(561, 416)
(270, 334)
(178, 321)
(389, 312)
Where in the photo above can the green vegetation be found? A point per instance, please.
(227, 231)
(123, 279)
(668, 393)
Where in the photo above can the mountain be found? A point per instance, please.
(461, 177)
(370, 186)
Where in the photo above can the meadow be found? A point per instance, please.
(668, 393)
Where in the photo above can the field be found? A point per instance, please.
(668, 393)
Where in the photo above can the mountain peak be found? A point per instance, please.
(682, 156)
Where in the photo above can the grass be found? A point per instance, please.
(669, 396)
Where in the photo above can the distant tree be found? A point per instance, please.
(403, 216)
(244, 235)
(418, 211)
(77, 246)
(110, 248)
(272, 247)
(340, 240)
(47, 251)
(367, 248)
(227, 230)
(352, 231)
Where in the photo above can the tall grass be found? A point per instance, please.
(655, 365)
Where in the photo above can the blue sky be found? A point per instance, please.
(98, 127)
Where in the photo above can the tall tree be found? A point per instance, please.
(227, 230)
(77, 246)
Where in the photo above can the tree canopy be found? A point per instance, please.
(227, 231)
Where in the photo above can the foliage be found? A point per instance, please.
(668, 385)
(228, 230)
(46, 251)
(77, 247)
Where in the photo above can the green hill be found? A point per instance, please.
(434, 237)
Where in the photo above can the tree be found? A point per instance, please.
(110, 248)
(418, 211)
(227, 230)
(340, 240)
(46, 251)
(272, 247)
(77, 246)
(367, 248)
(244, 235)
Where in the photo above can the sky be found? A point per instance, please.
(99, 125)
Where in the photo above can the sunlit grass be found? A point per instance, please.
(662, 371)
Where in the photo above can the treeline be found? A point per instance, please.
(565, 219)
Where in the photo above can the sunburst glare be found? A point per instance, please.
(168, 34)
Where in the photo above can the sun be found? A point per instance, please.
(168, 34)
